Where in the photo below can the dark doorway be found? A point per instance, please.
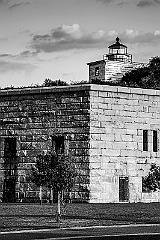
(123, 189)
(9, 190)
(10, 147)
(10, 159)
(10, 169)
(58, 144)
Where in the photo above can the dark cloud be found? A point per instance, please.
(45, 37)
(73, 37)
(106, 2)
(5, 55)
(1, 2)
(28, 54)
(24, 54)
(67, 37)
(18, 5)
(148, 3)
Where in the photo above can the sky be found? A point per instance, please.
(41, 39)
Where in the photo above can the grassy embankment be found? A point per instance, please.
(33, 216)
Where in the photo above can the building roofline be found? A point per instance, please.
(43, 90)
(117, 46)
(95, 62)
(81, 87)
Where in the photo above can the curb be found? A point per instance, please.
(79, 228)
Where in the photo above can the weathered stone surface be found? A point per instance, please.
(34, 116)
(103, 128)
(126, 113)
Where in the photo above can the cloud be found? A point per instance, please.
(1, 2)
(148, 3)
(11, 5)
(112, 33)
(72, 37)
(6, 55)
(28, 54)
(106, 1)
(157, 32)
(67, 37)
(131, 36)
(23, 55)
(16, 63)
(131, 33)
(121, 4)
(18, 5)
(8, 66)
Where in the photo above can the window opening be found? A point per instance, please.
(10, 167)
(10, 159)
(145, 140)
(155, 141)
(58, 144)
(96, 71)
(10, 147)
(123, 189)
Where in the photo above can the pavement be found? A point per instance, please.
(129, 231)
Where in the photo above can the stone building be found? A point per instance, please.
(111, 132)
(113, 65)
(33, 121)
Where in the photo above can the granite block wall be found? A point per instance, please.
(103, 131)
(33, 117)
(118, 117)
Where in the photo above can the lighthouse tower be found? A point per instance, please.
(118, 52)
(113, 65)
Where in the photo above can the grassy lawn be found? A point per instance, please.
(33, 216)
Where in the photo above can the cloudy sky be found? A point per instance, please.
(55, 39)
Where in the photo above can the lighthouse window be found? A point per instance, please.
(96, 71)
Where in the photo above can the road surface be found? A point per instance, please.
(130, 232)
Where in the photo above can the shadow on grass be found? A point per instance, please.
(21, 216)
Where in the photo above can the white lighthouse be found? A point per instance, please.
(118, 52)
(113, 65)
